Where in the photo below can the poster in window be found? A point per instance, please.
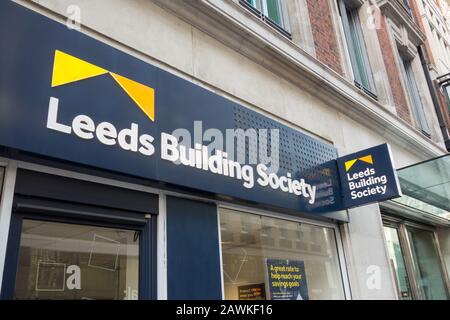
(252, 292)
(286, 279)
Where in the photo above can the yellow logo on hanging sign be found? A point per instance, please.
(367, 159)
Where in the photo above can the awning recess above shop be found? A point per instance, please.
(426, 186)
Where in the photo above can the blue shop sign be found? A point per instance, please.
(68, 96)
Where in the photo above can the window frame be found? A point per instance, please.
(413, 96)
(147, 245)
(349, 37)
(403, 226)
(406, 257)
(259, 8)
(407, 7)
(446, 90)
(275, 215)
(441, 264)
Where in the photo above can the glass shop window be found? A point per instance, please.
(427, 265)
(268, 258)
(70, 261)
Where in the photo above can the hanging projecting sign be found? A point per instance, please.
(368, 176)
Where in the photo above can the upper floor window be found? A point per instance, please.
(407, 6)
(273, 12)
(359, 57)
(447, 94)
(413, 92)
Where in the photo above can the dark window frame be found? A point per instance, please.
(147, 249)
(31, 202)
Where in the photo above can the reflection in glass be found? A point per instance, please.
(397, 262)
(427, 265)
(428, 182)
(248, 240)
(67, 261)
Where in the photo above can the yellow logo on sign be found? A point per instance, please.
(68, 69)
(349, 164)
